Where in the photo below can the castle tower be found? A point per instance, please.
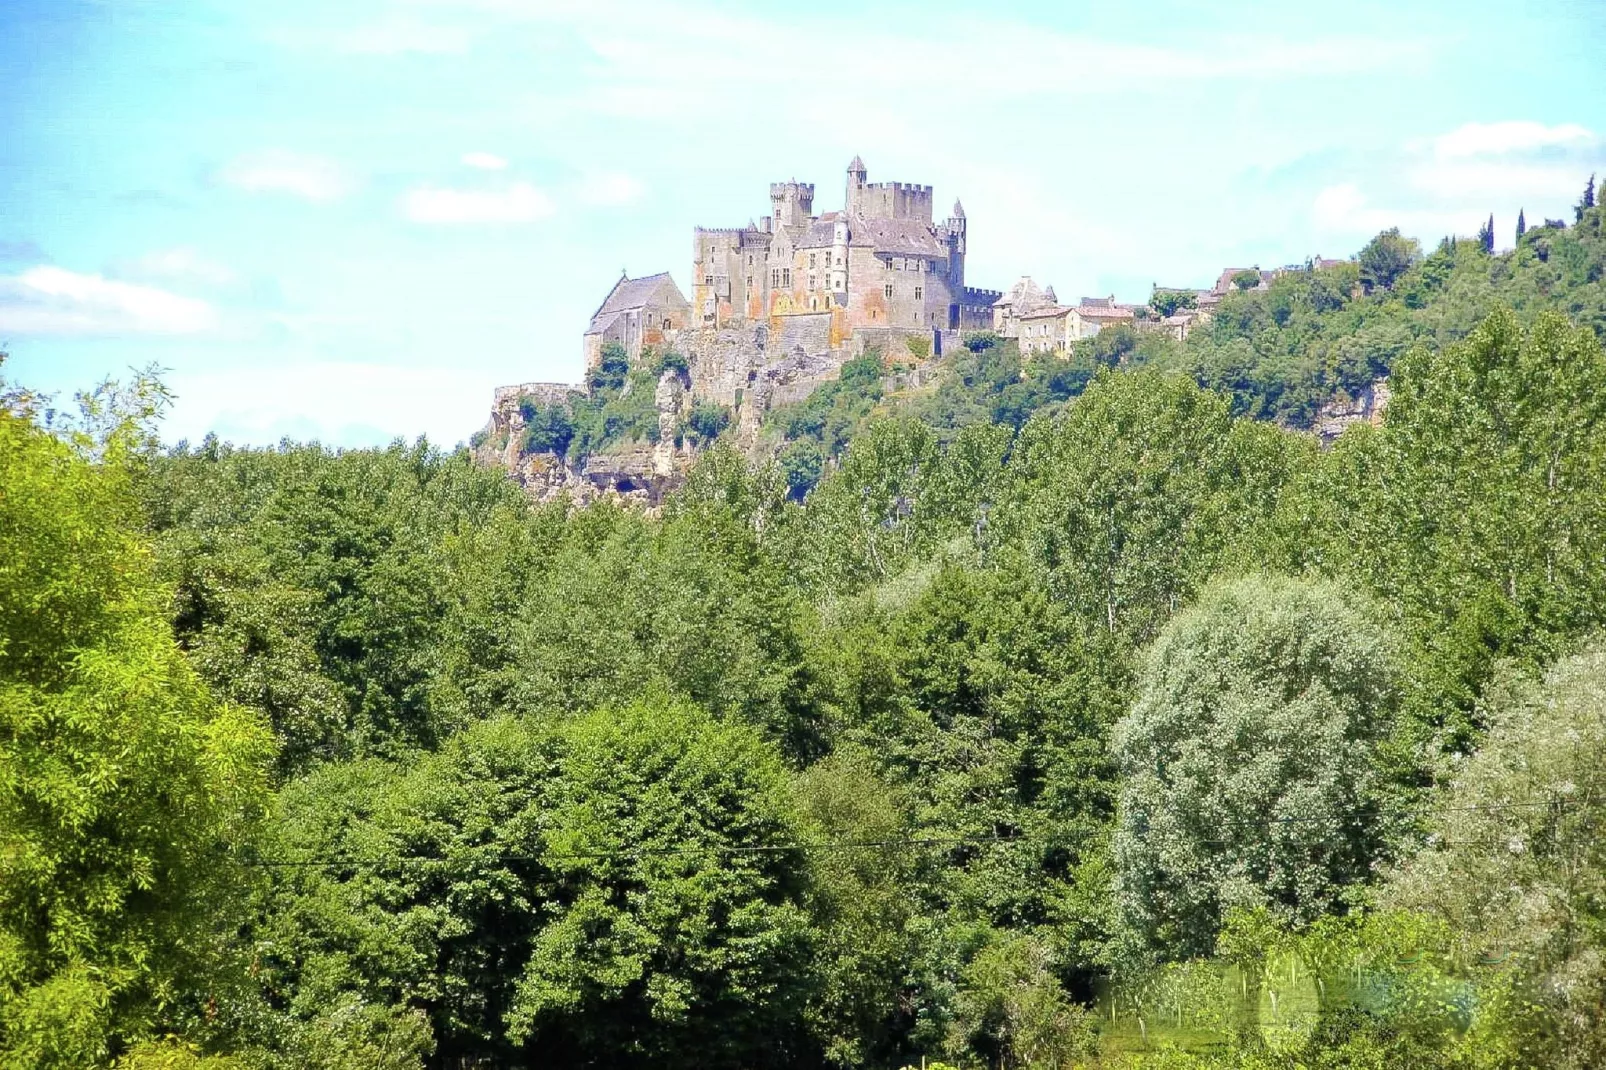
(956, 245)
(793, 203)
(856, 176)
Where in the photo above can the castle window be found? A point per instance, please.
(889, 289)
(812, 283)
(917, 293)
(786, 278)
(811, 261)
(708, 280)
(775, 278)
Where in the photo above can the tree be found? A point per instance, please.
(1522, 225)
(1248, 763)
(1586, 202)
(612, 891)
(1486, 235)
(1475, 509)
(1385, 258)
(125, 790)
(1515, 868)
(1247, 279)
(1167, 302)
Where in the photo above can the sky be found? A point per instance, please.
(351, 222)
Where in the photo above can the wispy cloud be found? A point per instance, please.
(312, 401)
(1450, 183)
(1498, 139)
(314, 178)
(611, 189)
(54, 301)
(184, 265)
(519, 202)
(484, 161)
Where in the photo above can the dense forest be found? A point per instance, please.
(1071, 712)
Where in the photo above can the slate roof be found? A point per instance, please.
(1047, 312)
(819, 234)
(630, 294)
(899, 236)
(856, 165)
(1103, 312)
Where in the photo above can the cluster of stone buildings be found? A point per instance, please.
(777, 306)
(880, 270)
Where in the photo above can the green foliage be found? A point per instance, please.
(706, 422)
(833, 412)
(1474, 513)
(670, 360)
(1385, 258)
(607, 891)
(1515, 867)
(1249, 776)
(1169, 302)
(548, 428)
(1247, 279)
(124, 788)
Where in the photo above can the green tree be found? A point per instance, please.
(1515, 868)
(1385, 258)
(1522, 225)
(1474, 511)
(1486, 236)
(1248, 763)
(613, 891)
(1247, 279)
(1168, 302)
(125, 790)
(1586, 202)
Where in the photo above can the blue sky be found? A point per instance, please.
(352, 221)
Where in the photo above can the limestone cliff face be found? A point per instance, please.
(1367, 407)
(636, 471)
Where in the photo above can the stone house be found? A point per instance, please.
(649, 311)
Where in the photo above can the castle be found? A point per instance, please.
(778, 306)
(878, 272)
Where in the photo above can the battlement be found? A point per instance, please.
(727, 231)
(973, 296)
(905, 187)
(779, 190)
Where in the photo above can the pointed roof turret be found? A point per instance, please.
(959, 209)
(857, 166)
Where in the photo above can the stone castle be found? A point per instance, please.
(879, 272)
(778, 306)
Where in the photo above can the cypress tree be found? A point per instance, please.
(1486, 235)
(1588, 201)
(1522, 225)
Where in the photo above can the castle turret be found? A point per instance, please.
(955, 227)
(856, 176)
(793, 202)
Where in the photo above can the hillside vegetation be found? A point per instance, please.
(1078, 718)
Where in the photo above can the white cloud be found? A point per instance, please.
(1495, 139)
(1344, 210)
(184, 265)
(517, 203)
(277, 171)
(611, 189)
(53, 300)
(484, 161)
(338, 403)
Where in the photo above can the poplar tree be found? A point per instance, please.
(1522, 225)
